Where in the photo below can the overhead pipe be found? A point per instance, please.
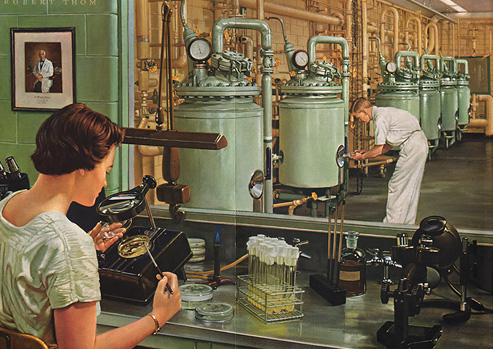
(267, 54)
(396, 27)
(349, 22)
(292, 12)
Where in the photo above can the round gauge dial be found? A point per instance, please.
(391, 67)
(300, 59)
(199, 49)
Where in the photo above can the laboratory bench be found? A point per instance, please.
(350, 325)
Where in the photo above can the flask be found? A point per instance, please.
(352, 275)
(15, 172)
(3, 173)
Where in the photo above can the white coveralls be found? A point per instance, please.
(44, 68)
(398, 127)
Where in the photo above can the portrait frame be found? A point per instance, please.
(42, 82)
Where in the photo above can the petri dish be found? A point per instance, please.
(214, 312)
(193, 295)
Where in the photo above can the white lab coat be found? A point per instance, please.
(400, 128)
(46, 70)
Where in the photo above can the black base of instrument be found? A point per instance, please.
(134, 279)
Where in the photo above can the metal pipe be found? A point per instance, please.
(375, 163)
(312, 42)
(396, 27)
(366, 51)
(292, 12)
(402, 54)
(433, 39)
(488, 99)
(431, 58)
(267, 54)
(418, 21)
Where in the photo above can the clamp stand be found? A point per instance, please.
(398, 333)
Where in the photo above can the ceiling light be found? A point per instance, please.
(453, 5)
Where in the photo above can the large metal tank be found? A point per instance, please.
(429, 101)
(312, 122)
(449, 100)
(401, 90)
(219, 179)
(219, 98)
(463, 96)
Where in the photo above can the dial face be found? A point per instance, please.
(391, 67)
(199, 49)
(300, 59)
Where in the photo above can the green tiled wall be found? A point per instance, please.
(101, 70)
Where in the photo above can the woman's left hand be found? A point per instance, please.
(101, 242)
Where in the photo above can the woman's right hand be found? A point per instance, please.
(166, 305)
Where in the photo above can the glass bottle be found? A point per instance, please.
(352, 274)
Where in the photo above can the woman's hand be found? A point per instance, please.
(105, 236)
(166, 305)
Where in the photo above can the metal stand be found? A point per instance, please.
(398, 333)
(327, 286)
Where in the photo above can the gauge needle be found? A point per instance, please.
(168, 287)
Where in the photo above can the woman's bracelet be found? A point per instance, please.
(156, 322)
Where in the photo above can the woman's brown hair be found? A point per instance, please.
(74, 137)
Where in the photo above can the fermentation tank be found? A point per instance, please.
(312, 120)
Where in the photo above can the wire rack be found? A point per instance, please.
(270, 303)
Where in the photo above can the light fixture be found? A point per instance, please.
(453, 5)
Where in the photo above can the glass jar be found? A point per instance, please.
(352, 272)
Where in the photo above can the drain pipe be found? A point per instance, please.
(267, 54)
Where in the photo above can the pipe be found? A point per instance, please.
(488, 125)
(142, 30)
(266, 43)
(396, 27)
(292, 12)
(247, 41)
(433, 39)
(466, 65)
(288, 47)
(418, 21)
(402, 54)
(366, 51)
(429, 58)
(349, 22)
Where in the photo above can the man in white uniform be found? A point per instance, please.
(395, 127)
(43, 70)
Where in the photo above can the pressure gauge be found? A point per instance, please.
(300, 59)
(199, 49)
(391, 67)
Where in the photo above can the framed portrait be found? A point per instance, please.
(42, 68)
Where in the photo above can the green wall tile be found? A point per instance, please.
(97, 78)
(83, 6)
(6, 22)
(5, 85)
(110, 109)
(8, 123)
(28, 126)
(22, 7)
(102, 37)
(69, 21)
